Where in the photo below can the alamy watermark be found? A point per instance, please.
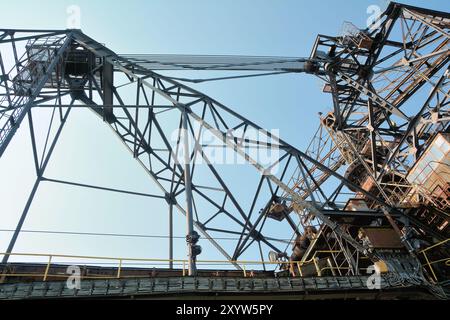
(374, 280)
(373, 22)
(235, 147)
(74, 280)
(374, 11)
(73, 20)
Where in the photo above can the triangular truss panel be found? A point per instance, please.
(357, 181)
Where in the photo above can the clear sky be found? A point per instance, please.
(89, 153)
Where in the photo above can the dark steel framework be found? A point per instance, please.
(390, 93)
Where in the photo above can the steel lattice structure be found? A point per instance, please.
(390, 96)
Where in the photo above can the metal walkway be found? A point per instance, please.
(350, 287)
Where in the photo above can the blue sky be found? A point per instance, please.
(89, 153)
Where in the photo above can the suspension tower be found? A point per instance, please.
(371, 190)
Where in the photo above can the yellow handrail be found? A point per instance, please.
(435, 245)
(119, 268)
(120, 261)
(48, 267)
(183, 262)
(430, 263)
(246, 262)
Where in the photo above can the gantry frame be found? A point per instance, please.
(366, 113)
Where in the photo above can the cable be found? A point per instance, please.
(121, 235)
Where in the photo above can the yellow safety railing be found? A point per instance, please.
(119, 262)
(430, 263)
(294, 267)
(313, 260)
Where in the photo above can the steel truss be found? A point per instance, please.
(373, 136)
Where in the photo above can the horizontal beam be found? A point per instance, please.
(216, 62)
(101, 188)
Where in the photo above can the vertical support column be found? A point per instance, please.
(188, 190)
(336, 105)
(108, 92)
(170, 236)
(416, 145)
(21, 220)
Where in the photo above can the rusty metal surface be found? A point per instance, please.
(383, 238)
